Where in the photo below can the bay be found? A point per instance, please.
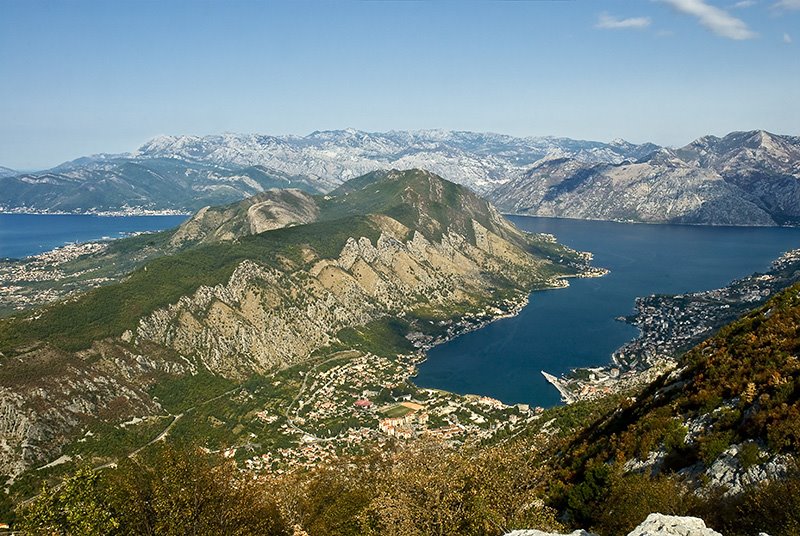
(575, 327)
(22, 235)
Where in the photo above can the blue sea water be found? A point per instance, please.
(28, 234)
(575, 327)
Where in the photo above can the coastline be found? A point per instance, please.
(516, 305)
(178, 212)
(100, 213)
(677, 224)
(669, 325)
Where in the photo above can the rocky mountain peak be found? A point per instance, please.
(744, 178)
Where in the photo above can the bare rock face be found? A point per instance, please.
(265, 316)
(642, 191)
(728, 473)
(273, 209)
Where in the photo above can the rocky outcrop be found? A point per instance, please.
(270, 210)
(534, 532)
(655, 525)
(266, 316)
(728, 473)
(663, 525)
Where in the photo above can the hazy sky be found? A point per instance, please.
(81, 77)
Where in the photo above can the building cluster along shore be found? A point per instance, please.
(670, 325)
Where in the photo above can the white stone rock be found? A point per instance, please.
(663, 525)
(654, 525)
(534, 532)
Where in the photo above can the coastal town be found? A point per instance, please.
(670, 325)
(43, 278)
(361, 399)
(124, 211)
(53, 275)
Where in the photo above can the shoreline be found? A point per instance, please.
(178, 212)
(669, 325)
(634, 222)
(516, 307)
(100, 213)
(70, 248)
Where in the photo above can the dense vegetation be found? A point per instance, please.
(413, 490)
(427, 489)
(175, 492)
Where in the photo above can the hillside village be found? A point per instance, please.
(369, 400)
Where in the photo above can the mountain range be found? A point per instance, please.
(744, 178)
(131, 184)
(188, 172)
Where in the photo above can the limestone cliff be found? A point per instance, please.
(264, 316)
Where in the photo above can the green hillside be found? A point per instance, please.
(214, 333)
(732, 407)
(416, 198)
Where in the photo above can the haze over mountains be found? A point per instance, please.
(744, 178)
(7, 172)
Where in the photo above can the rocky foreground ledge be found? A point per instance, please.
(654, 525)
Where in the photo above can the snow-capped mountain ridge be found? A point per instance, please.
(743, 178)
(478, 160)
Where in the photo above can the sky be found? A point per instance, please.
(82, 77)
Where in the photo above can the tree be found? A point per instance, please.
(174, 492)
(78, 507)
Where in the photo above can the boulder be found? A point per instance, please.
(662, 525)
(654, 525)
